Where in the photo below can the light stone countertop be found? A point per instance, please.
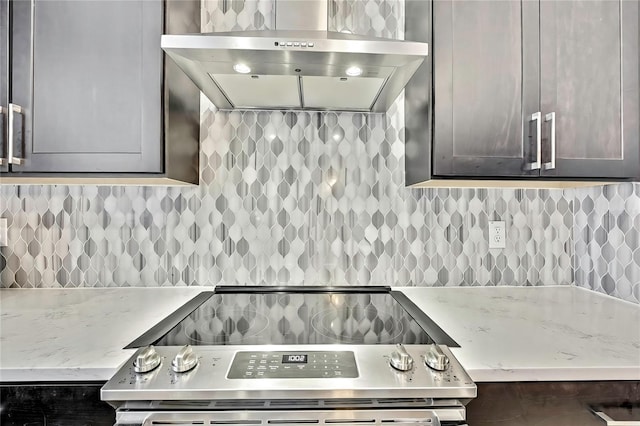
(506, 333)
(77, 334)
(557, 333)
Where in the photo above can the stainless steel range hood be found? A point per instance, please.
(299, 66)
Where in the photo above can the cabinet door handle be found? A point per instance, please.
(537, 163)
(611, 422)
(16, 137)
(551, 164)
(3, 138)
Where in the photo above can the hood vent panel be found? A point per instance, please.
(349, 93)
(259, 91)
(294, 92)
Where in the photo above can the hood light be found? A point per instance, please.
(242, 68)
(354, 71)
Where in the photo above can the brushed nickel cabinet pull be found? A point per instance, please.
(3, 138)
(552, 163)
(16, 137)
(537, 163)
(611, 422)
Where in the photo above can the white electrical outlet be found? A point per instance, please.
(497, 234)
(4, 241)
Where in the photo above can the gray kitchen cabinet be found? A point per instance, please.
(483, 97)
(53, 404)
(90, 82)
(543, 403)
(529, 90)
(589, 82)
(4, 83)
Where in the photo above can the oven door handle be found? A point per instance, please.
(185, 418)
(175, 419)
(192, 419)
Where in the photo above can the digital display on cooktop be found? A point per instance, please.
(295, 359)
(297, 318)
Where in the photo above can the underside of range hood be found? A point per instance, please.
(298, 70)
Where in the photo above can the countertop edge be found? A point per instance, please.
(580, 374)
(478, 375)
(49, 375)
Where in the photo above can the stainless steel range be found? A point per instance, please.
(293, 356)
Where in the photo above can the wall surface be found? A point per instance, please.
(288, 198)
(607, 240)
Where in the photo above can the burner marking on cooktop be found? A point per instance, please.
(203, 326)
(330, 323)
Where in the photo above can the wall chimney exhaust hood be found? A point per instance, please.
(298, 66)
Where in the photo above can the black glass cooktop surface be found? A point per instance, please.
(272, 316)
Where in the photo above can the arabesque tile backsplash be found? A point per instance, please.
(304, 198)
(607, 239)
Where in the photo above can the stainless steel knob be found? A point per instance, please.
(185, 360)
(147, 360)
(436, 359)
(400, 359)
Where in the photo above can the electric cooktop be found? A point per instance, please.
(274, 355)
(234, 315)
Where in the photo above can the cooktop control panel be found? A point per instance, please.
(293, 365)
(284, 372)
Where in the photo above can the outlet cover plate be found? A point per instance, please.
(497, 234)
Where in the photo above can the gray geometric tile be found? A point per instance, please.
(297, 198)
(377, 18)
(607, 234)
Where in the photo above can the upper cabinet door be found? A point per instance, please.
(589, 88)
(486, 82)
(4, 84)
(88, 76)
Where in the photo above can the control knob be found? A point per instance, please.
(436, 359)
(185, 360)
(147, 360)
(400, 359)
